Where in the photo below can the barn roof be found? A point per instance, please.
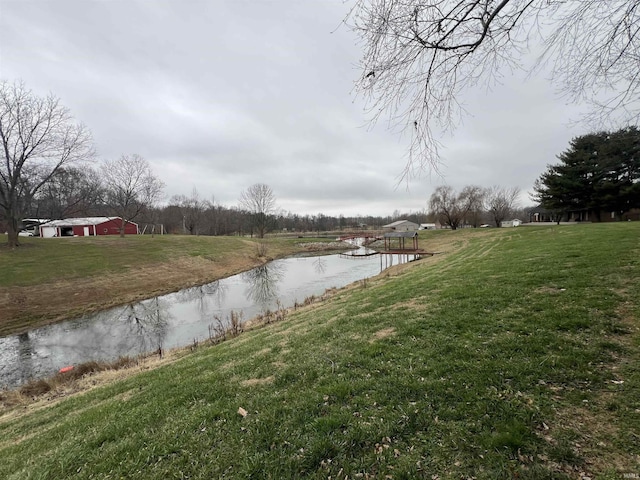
(398, 222)
(70, 222)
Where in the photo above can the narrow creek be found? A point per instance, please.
(179, 318)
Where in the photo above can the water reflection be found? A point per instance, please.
(25, 351)
(204, 296)
(320, 265)
(147, 323)
(262, 284)
(177, 319)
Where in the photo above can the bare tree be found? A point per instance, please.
(501, 203)
(454, 209)
(69, 192)
(474, 196)
(130, 187)
(38, 136)
(449, 207)
(192, 209)
(260, 202)
(419, 55)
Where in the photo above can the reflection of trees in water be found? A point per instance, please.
(262, 283)
(320, 265)
(129, 330)
(203, 295)
(147, 323)
(25, 357)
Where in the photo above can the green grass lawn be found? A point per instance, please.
(40, 260)
(516, 356)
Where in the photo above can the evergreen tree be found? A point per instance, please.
(600, 172)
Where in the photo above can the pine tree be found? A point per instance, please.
(600, 172)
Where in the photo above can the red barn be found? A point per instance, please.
(87, 226)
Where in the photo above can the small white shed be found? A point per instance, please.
(511, 223)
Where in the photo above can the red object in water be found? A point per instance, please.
(66, 369)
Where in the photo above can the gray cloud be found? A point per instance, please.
(221, 95)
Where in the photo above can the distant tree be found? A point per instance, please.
(193, 210)
(501, 203)
(449, 207)
(342, 223)
(130, 187)
(212, 217)
(171, 218)
(260, 202)
(553, 191)
(69, 192)
(475, 197)
(600, 172)
(420, 55)
(38, 137)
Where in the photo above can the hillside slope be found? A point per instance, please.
(514, 354)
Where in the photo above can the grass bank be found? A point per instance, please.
(514, 355)
(49, 279)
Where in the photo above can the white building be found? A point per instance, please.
(511, 223)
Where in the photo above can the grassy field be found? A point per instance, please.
(49, 279)
(40, 261)
(514, 354)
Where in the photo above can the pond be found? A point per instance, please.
(179, 318)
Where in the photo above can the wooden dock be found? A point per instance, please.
(416, 252)
(406, 251)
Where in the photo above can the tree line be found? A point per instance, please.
(194, 215)
(474, 206)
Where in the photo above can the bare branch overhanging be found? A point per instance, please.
(420, 55)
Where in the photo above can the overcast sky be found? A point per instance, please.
(221, 94)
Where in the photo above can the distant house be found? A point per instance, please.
(87, 226)
(402, 226)
(511, 223)
(540, 214)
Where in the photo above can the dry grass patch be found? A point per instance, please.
(85, 377)
(252, 382)
(384, 333)
(415, 305)
(549, 290)
(589, 443)
(262, 352)
(233, 364)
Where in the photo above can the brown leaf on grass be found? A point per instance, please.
(242, 411)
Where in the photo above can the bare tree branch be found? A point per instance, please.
(260, 202)
(130, 186)
(38, 137)
(420, 55)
